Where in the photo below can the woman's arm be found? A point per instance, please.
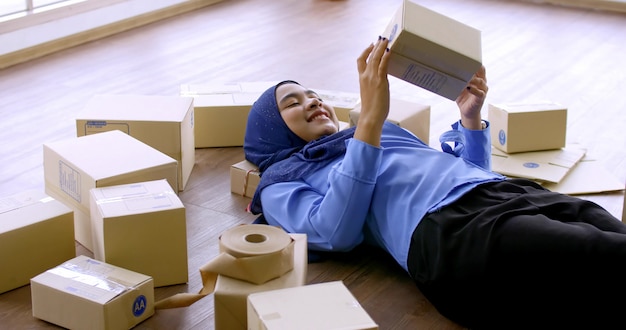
(329, 206)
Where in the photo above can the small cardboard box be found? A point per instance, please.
(431, 50)
(36, 233)
(230, 295)
(162, 122)
(141, 227)
(412, 116)
(527, 126)
(244, 178)
(73, 167)
(221, 111)
(327, 305)
(545, 166)
(342, 102)
(84, 293)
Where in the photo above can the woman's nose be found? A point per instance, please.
(315, 103)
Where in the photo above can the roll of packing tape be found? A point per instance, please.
(253, 240)
(252, 253)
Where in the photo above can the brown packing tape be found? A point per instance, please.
(252, 253)
(245, 181)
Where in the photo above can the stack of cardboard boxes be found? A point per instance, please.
(114, 189)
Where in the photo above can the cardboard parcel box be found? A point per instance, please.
(542, 166)
(588, 176)
(244, 178)
(221, 111)
(327, 305)
(141, 227)
(409, 115)
(527, 126)
(230, 295)
(83, 293)
(431, 50)
(36, 233)
(162, 122)
(73, 167)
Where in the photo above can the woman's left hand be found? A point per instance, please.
(471, 100)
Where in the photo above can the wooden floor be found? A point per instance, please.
(531, 51)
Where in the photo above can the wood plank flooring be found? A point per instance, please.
(531, 52)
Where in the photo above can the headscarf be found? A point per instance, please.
(278, 152)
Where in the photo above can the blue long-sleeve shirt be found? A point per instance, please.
(383, 192)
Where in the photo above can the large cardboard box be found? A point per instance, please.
(414, 117)
(244, 178)
(230, 295)
(327, 305)
(543, 166)
(528, 126)
(36, 233)
(221, 109)
(74, 166)
(431, 50)
(141, 227)
(162, 122)
(83, 293)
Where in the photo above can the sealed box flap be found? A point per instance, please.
(226, 87)
(28, 207)
(142, 197)
(129, 107)
(550, 165)
(91, 279)
(534, 106)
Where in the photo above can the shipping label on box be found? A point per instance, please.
(36, 234)
(73, 167)
(431, 50)
(548, 166)
(328, 305)
(230, 295)
(165, 123)
(411, 116)
(528, 126)
(83, 293)
(244, 178)
(141, 227)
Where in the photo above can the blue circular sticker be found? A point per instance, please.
(140, 305)
(531, 165)
(502, 137)
(394, 30)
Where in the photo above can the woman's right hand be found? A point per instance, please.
(374, 88)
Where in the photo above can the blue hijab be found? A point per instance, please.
(278, 152)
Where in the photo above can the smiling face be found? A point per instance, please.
(305, 113)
